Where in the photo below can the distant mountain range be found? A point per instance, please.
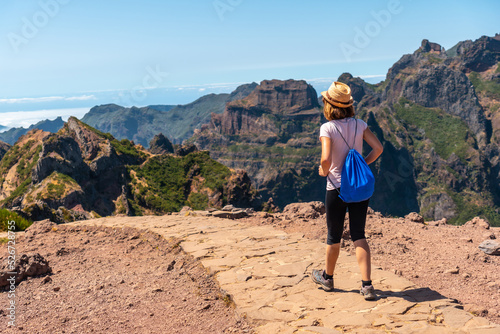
(176, 122)
(437, 115)
(12, 135)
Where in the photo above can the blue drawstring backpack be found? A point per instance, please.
(358, 182)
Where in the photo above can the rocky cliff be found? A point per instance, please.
(272, 134)
(439, 121)
(80, 172)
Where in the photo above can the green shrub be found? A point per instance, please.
(198, 201)
(6, 216)
(24, 169)
(9, 159)
(495, 107)
(489, 88)
(432, 121)
(126, 147)
(20, 190)
(169, 178)
(214, 173)
(433, 59)
(63, 178)
(466, 211)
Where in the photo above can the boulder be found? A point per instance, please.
(28, 265)
(269, 206)
(477, 222)
(414, 217)
(308, 210)
(443, 221)
(490, 247)
(185, 209)
(240, 192)
(429, 46)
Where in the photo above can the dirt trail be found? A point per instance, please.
(265, 271)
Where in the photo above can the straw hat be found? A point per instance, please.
(339, 95)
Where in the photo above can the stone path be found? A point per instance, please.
(267, 274)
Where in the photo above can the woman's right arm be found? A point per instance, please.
(326, 159)
(375, 144)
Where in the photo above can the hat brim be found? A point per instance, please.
(336, 103)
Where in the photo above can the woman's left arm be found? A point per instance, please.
(326, 159)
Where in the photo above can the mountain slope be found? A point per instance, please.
(80, 172)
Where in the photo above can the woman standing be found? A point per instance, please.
(341, 130)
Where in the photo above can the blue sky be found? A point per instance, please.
(65, 56)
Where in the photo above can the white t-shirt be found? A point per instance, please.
(347, 128)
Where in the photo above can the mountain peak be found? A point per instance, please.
(430, 47)
(281, 97)
(160, 145)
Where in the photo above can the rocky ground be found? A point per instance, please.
(104, 280)
(96, 279)
(442, 257)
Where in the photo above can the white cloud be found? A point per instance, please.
(209, 86)
(368, 76)
(48, 99)
(323, 80)
(27, 118)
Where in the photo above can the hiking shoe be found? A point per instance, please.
(318, 278)
(369, 292)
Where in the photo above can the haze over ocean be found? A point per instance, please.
(61, 57)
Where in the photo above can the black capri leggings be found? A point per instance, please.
(335, 215)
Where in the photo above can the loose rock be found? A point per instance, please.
(452, 271)
(28, 265)
(229, 207)
(414, 217)
(490, 247)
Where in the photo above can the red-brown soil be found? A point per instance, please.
(108, 280)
